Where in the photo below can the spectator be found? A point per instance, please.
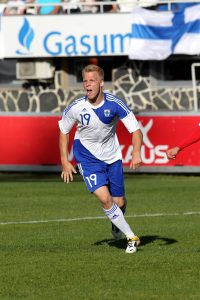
(2, 6)
(176, 7)
(72, 6)
(110, 8)
(124, 6)
(88, 8)
(31, 10)
(15, 7)
(48, 10)
(148, 4)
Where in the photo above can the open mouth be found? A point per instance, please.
(89, 92)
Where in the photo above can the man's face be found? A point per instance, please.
(92, 84)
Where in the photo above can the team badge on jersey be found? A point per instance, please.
(106, 112)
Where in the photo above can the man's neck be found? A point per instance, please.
(97, 101)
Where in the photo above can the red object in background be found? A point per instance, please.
(29, 140)
(167, 131)
(33, 140)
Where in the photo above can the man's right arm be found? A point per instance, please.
(194, 137)
(67, 168)
(172, 152)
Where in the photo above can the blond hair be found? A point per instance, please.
(93, 68)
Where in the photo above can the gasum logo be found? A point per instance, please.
(54, 42)
(25, 37)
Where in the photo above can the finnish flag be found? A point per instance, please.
(158, 34)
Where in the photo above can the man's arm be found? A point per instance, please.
(172, 152)
(67, 167)
(55, 11)
(136, 155)
(191, 139)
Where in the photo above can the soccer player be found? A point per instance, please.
(97, 151)
(194, 137)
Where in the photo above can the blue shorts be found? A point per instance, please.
(97, 174)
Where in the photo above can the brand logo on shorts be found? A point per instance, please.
(106, 112)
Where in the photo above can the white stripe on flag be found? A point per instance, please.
(149, 49)
(144, 16)
(192, 13)
(189, 41)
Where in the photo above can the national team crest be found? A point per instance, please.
(106, 112)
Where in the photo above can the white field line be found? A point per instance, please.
(99, 218)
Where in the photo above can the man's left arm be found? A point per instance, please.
(131, 124)
(137, 139)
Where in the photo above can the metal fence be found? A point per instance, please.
(67, 5)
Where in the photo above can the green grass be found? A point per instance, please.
(78, 259)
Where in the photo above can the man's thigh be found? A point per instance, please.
(99, 174)
(94, 174)
(116, 179)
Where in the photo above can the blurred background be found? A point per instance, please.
(149, 51)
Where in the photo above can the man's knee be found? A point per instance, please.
(120, 201)
(106, 201)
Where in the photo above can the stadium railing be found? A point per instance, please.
(101, 5)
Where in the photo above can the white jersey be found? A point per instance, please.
(96, 137)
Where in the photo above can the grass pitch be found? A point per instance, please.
(50, 248)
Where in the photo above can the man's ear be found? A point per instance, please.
(102, 83)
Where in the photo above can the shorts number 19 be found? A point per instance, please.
(92, 179)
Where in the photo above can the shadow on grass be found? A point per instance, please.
(144, 241)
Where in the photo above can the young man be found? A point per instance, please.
(97, 150)
(194, 137)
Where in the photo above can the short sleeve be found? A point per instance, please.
(67, 121)
(130, 122)
(122, 109)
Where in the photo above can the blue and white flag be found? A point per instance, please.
(158, 34)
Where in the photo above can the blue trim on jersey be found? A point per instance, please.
(112, 108)
(81, 154)
(106, 113)
(72, 104)
(119, 101)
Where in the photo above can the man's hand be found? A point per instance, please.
(172, 153)
(136, 161)
(67, 173)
